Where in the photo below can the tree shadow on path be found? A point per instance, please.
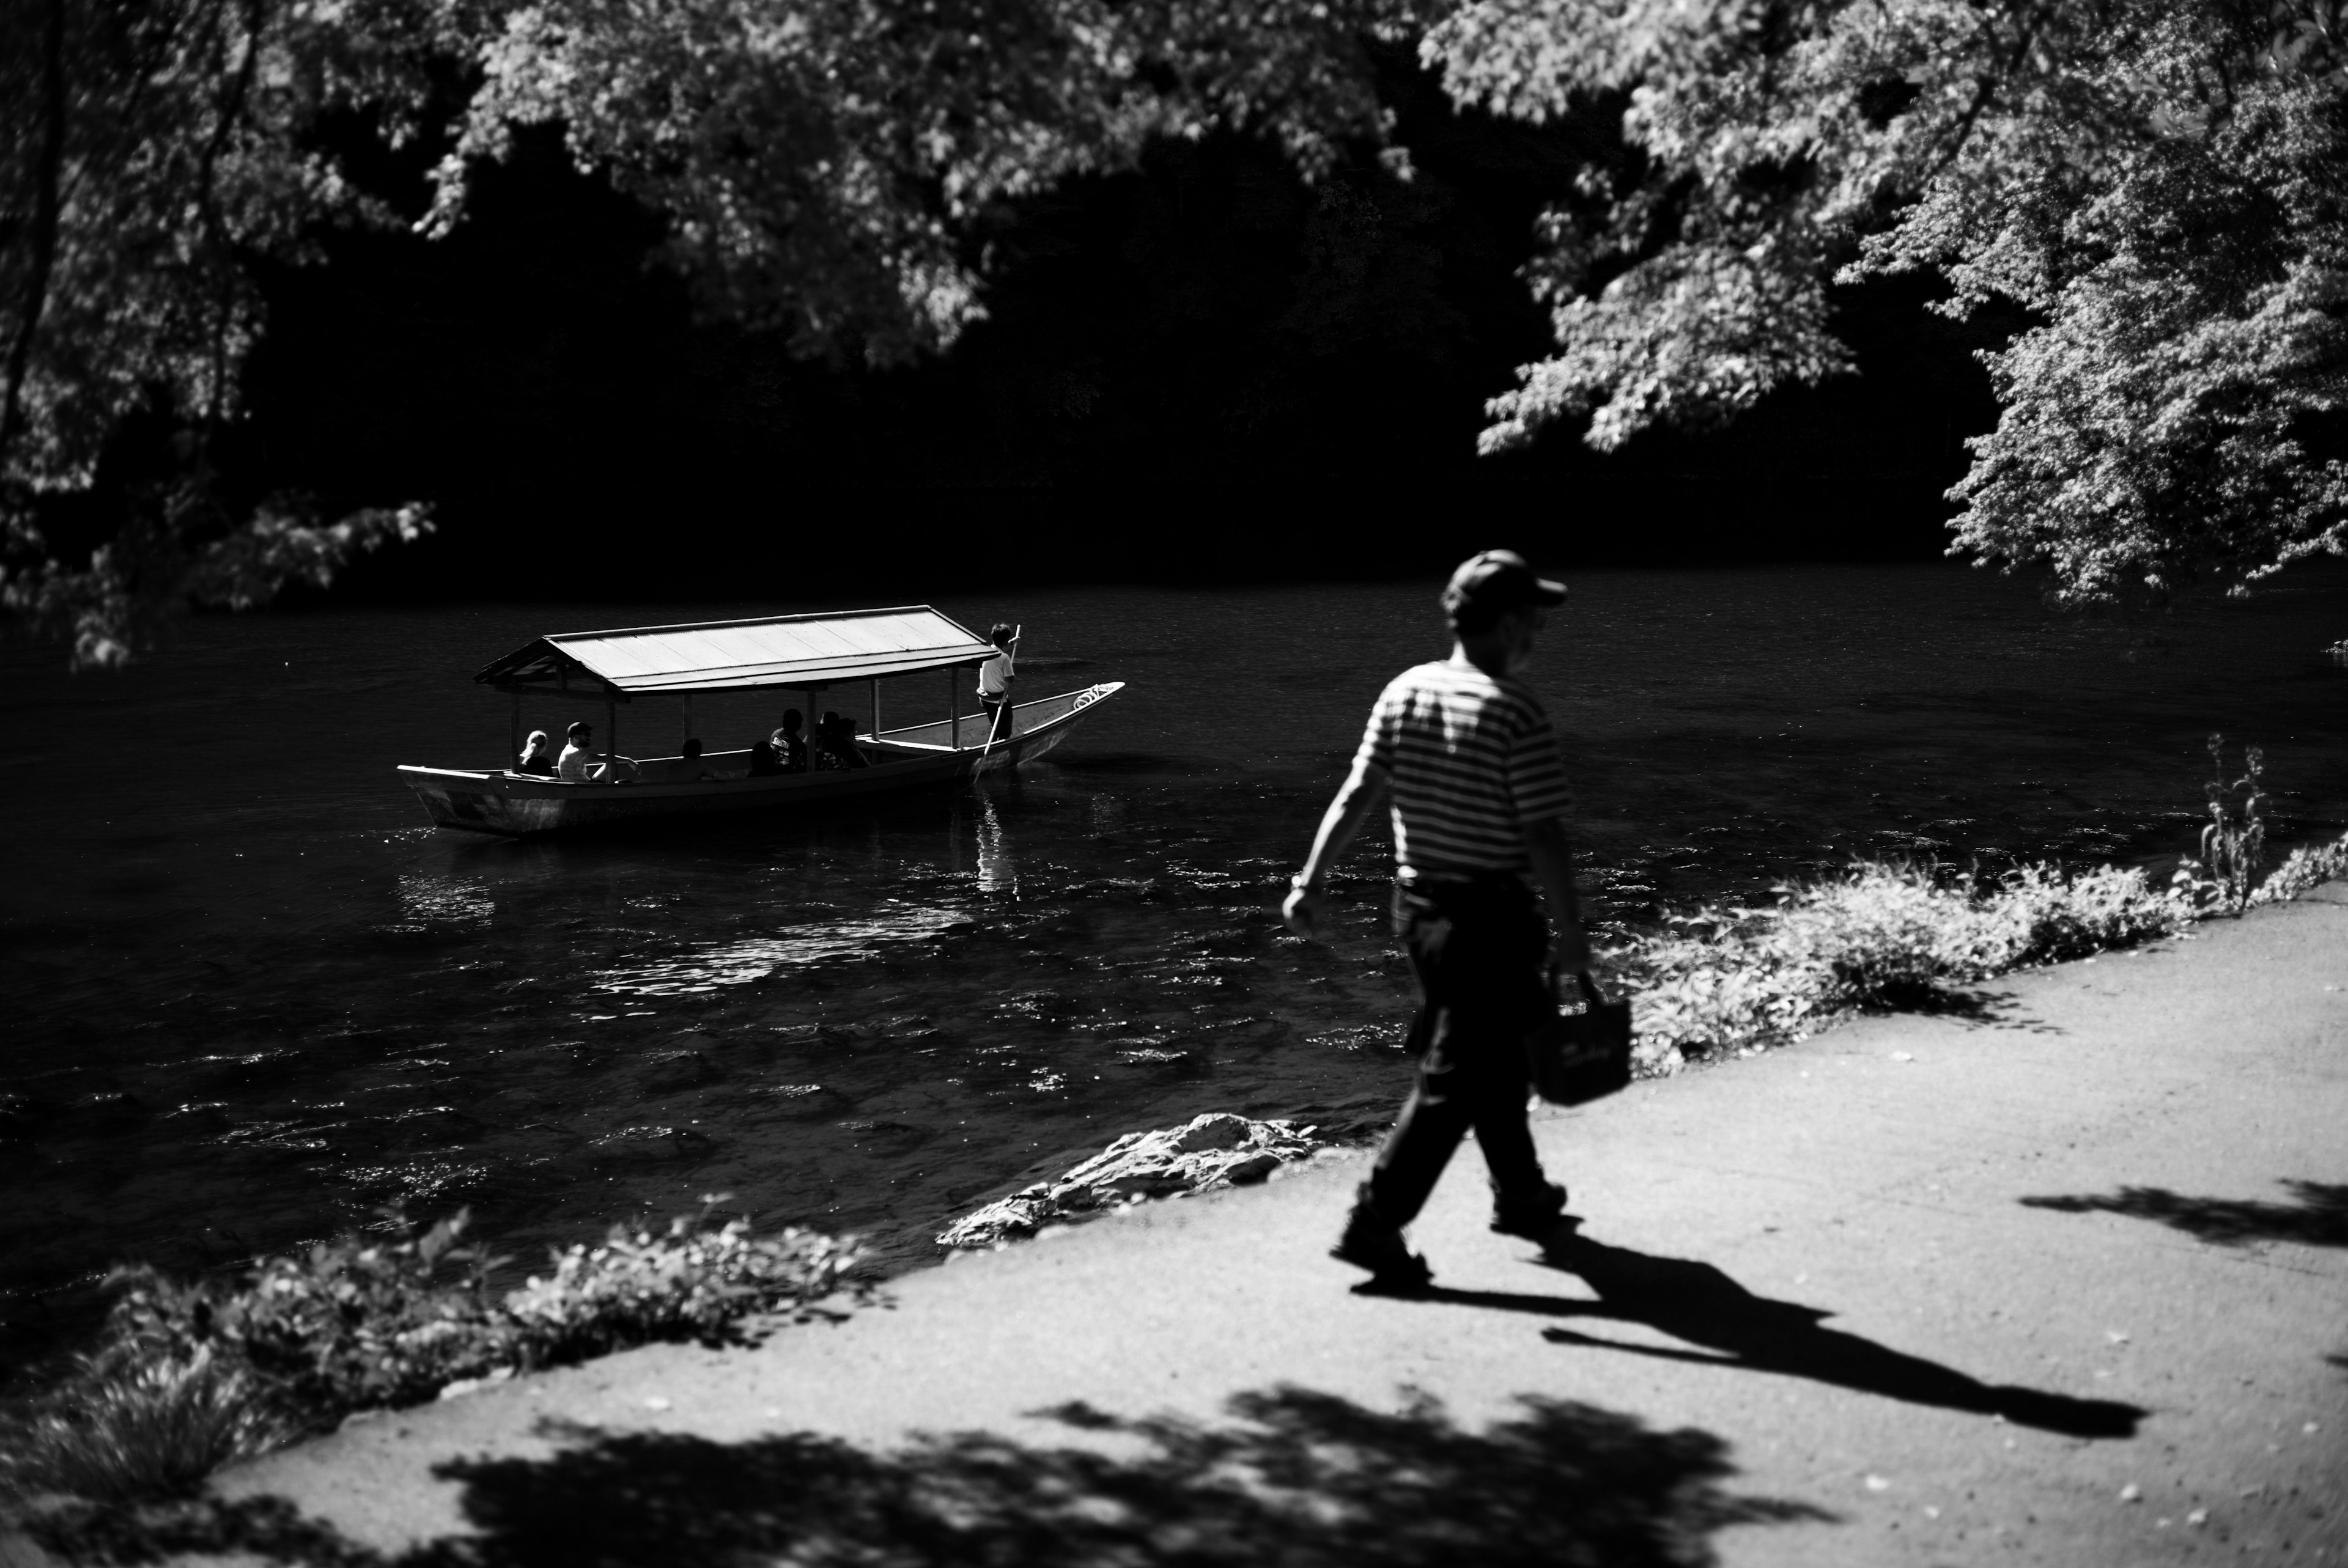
(1298, 1478)
(2319, 1217)
(1699, 1304)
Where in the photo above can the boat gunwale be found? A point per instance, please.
(502, 781)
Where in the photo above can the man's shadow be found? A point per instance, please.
(1700, 1304)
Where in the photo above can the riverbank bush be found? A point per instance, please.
(2306, 868)
(189, 1376)
(1880, 934)
(130, 1425)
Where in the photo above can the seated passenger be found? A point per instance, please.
(835, 739)
(537, 756)
(763, 762)
(689, 765)
(790, 744)
(581, 763)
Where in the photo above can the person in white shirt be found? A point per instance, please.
(994, 678)
(581, 763)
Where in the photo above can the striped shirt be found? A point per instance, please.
(1470, 761)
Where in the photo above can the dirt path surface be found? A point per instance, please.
(2063, 1281)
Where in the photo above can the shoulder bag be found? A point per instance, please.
(1579, 1056)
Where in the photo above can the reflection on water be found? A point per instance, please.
(760, 957)
(998, 869)
(251, 1006)
(445, 899)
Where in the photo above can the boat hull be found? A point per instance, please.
(519, 804)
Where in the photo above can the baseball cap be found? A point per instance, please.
(1494, 582)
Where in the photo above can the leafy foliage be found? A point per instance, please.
(353, 1323)
(829, 169)
(131, 1426)
(2234, 844)
(689, 1282)
(2163, 185)
(826, 170)
(193, 1375)
(149, 154)
(2307, 868)
(1730, 979)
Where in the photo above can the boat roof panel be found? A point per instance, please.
(744, 655)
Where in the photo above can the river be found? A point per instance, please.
(252, 998)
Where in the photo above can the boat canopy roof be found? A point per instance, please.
(796, 651)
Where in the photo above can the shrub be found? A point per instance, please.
(189, 1375)
(2049, 915)
(2307, 868)
(687, 1283)
(127, 1426)
(1727, 979)
(351, 1323)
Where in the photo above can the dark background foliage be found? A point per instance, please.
(1206, 370)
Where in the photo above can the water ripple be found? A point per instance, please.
(742, 963)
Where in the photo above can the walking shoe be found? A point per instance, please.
(1371, 1244)
(1534, 1221)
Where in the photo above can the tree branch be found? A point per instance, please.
(230, 109)
(1985, 93)
(45, 218)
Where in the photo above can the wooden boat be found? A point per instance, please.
(809, 653)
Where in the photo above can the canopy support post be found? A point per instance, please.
(954, 709)
(610, 738)
(873, 692)
(688, 718)
(513, 736)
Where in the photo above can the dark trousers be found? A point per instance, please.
(998, 716)
(1478, 945)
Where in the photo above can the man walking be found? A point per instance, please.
(1480, 798)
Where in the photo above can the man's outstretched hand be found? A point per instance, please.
(1302, 911)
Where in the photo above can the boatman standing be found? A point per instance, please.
(994, 678)
(1479, 799)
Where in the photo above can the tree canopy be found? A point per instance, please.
(2162, 185)
(152, 152)
(2157, 183)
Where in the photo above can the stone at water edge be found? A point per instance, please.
(1215, 1150)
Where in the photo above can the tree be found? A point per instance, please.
(828, 167)
(2164, 185)
(2159, 182)
(152, 150)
